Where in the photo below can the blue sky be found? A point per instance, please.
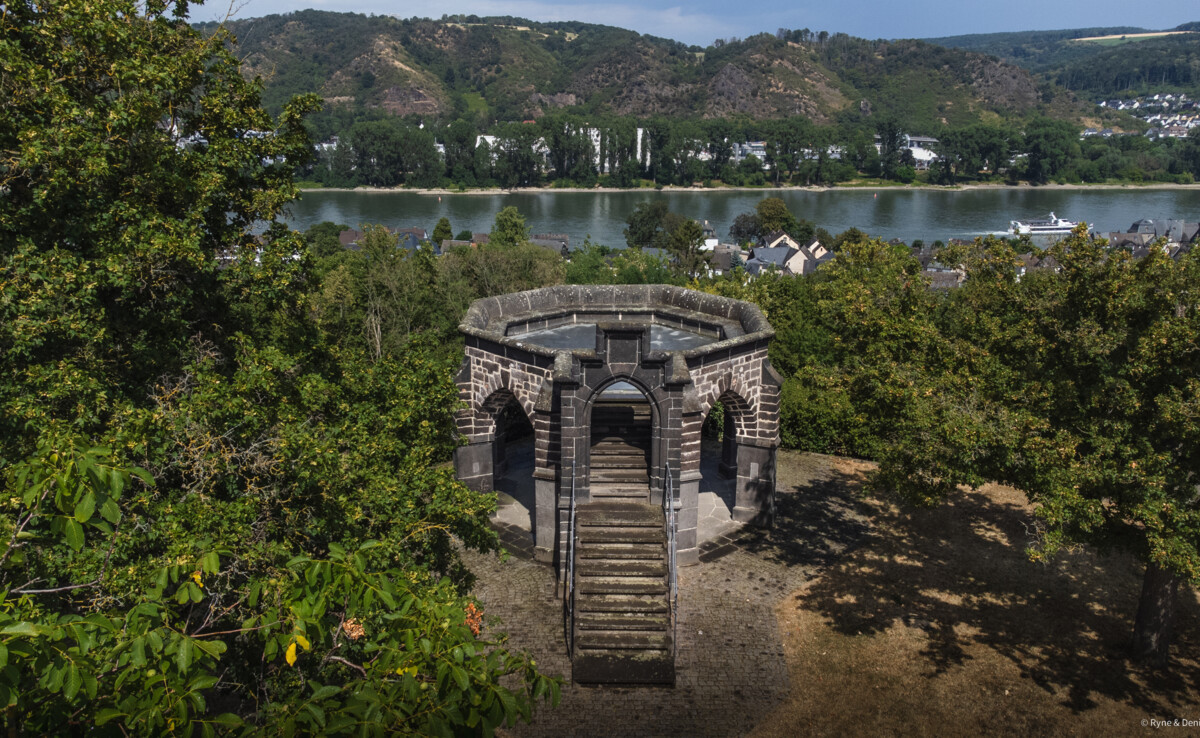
(701, 21)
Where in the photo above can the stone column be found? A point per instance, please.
(473, 463)
(545, 517)
(687, 549)
(687, 540)
(754, 499)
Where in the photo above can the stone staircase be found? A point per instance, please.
(622, 627)
(620, 452)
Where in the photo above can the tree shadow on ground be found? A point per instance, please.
(816, 522)
(960, 573)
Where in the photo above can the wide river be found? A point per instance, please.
(903, 214)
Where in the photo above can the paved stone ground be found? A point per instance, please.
(730, 666)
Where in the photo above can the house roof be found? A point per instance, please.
(777, 255)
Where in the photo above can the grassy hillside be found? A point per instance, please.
(1124, 64)
(514, 69)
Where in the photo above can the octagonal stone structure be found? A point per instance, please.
(557, 351)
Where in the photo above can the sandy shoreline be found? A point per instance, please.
(674, 188)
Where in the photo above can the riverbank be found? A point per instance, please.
(849, 186)
(929, 214)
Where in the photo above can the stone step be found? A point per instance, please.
(621, 416)
(620, 603)
(618, 435)
(620, 476)
(620, 514)
(618, 462)
(618, 449)
(612, 666)
(598, 534)
(614, 640)
(621, 585)
(621, 567)
(627, 493)
(622, 428)
(650, 551)
(647, 621)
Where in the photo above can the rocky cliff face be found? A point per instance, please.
(1003, 85)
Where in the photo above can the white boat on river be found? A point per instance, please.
(1051, 226)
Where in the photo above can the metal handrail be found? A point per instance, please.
(569, 623)
(670, 522)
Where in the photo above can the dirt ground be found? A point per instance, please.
(936, 623)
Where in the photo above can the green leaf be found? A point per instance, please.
(325, 692)
(110, 511)
(183, 655)
(212, 648)
(85, 507)
(317, 713)
(139, 652)
(228, 720)
(73, 683)
(28, 629)
(108, 714)
(74, 533)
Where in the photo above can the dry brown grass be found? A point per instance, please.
(939, 625)
(1120, 36)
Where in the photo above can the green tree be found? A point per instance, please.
(718, 143)
(290, 533)
(572, 156)
(650, 225)
(517, 164)
(774, 215)
(746, 228)
(1082, 392)
(442, 231)
(1191, 152)
(1050, 147)
(322, 239)
(891, 142)
(459, 140)
(509, 228)
(390, 153)
(684, 244)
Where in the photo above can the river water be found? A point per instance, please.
(905, 214)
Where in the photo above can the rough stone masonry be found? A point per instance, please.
(556, 388)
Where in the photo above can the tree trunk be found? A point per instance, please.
(1155, 617)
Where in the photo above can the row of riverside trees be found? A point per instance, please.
(570, 150)
(226, 507)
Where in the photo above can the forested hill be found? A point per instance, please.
(1134, 62)
(514, 69)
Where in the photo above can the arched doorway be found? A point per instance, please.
(622, 434)
(718, 470)
(512, 464)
